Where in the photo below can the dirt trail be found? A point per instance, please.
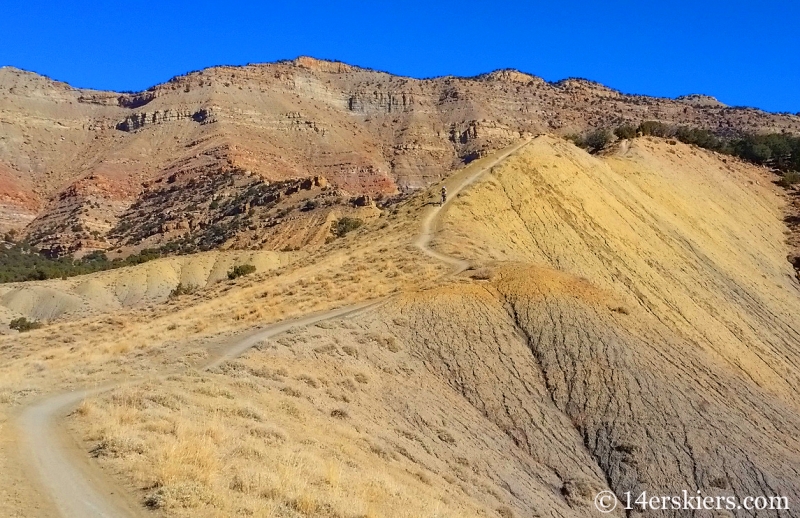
(78, 490)
(456, 184)
(74, 489)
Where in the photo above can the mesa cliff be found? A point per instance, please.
(74, 162)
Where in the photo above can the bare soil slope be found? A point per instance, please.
(626, 325)
(134, 286)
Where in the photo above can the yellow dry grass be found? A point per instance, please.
(373, 263)
(258, 441)
(300, 431)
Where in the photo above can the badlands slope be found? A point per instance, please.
(627, 324)
(133, 286)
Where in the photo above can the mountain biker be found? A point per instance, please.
(444, 195)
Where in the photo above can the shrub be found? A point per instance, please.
(626, 131)
(345, 225)
(699, 137)
(598, 139)
(655, 129)
(95, 257)
(241, 270)
(789, 179)
(594, 141)
(339, 413)
(182, 289)
(22, 324)
(780, 150)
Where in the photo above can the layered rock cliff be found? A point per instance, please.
(368, 132)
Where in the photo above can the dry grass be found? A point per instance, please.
(201, 453)
(215, 458)
(178, 332)
(302, 427)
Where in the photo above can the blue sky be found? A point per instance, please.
(743, 52)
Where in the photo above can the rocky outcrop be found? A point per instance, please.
(321, 65)
(363, 201)
(139, 120)
(317, 181)
(134, 101)
(364, 131)
(380, 102)
(99, 98)
(701, 100)
(511, 76)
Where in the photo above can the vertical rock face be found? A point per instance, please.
(365, 131)
(139, 120)
(380, 102)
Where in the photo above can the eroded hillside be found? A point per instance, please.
(76, 160)
(694, 240)
(626, 324)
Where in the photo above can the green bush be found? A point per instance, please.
(598, 139)
(182, 289)
(345, 225)
(790, 178)
(655, 129)
(22, 324)
(593, 141)
(626, 131)
(21, 262)
(780, 151)
(241, 270)
(700, 137)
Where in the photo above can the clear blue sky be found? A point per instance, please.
(744, 52)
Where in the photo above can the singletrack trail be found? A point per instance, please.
(79, 490)
(431, 216)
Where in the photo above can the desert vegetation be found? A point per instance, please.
(240, 270)
(21, 262)
(345, 225)
(618, 307)
(780, 151)
(499, 394)
(182, 289)
(22, 324)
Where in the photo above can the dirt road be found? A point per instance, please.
(80, 491)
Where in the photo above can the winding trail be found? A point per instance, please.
(79, 490)
(455, 185)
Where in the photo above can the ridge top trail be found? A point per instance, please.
(430, 217)
(79, 490)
